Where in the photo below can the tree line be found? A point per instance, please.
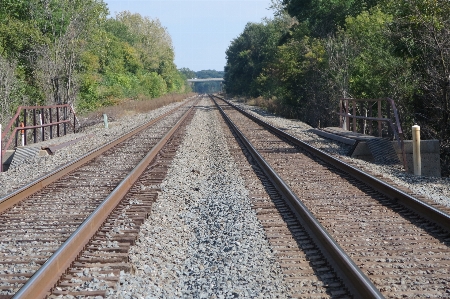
(313, 52)
(69, 51)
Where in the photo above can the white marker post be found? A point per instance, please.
(22, 133)
(417, 160)
(42, 128)
(105, 119)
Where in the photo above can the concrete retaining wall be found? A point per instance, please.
(7, 159)
(429, 151)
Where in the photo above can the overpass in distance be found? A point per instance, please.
(205, 80)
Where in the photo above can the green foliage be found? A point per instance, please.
(202, 87)
(421, 34)
(119, 30)
(208, 87)
(138, 60)
(68, 51)
(348, 48)
(187, 73)
(15, 9)
(205, 74)
(18, 38)
(250, 53)
(324, 17)
(375, 71)
(153, 84)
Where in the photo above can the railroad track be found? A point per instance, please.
(73, 221)
(376, 240)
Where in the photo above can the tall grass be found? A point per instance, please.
(130, 107)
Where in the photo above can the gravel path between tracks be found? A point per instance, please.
(36, 167)
(436, 189)
(202, 239)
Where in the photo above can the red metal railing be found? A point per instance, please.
(26, 119)
(389, 110)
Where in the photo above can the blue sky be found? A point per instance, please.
(201, 31)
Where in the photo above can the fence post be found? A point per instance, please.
(347, 119)
(25, 124)
(34, 125)
(22, 135)
(65, 118)
(42, 121)
(417, 161)
(51, 121)
(17, 124)
(354, 116)
(388, 107)
(57, 120)
(380, 132)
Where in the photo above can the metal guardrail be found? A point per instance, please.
(51, 117)
(391, 118)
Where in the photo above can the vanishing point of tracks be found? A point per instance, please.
(337, 232)
(73, 220)
(379, 241)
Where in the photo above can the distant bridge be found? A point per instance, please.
(206, 80)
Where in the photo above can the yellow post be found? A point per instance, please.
(417, 160)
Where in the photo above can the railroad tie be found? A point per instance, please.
(383, 151)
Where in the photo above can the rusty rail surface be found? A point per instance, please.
(45, 278)
(45, 116)
(11, 199)
(359, 285)
(425, 210)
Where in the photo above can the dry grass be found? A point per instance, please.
(270, 105)
(131, 107)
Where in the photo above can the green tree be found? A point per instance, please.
(422, 35)
(188, 73)
(251, 52)
(325, 17)
(69, 27)
(67, 51)
(376, 71)
(204, 74)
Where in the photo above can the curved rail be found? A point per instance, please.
(357, 282)
(425, 210)
(46, 277)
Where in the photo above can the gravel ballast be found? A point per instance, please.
(36, 167)
(437, 189)
(202, 239)
(434, 188)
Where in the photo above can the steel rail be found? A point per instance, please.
(47, 276)
(422, 208)
(354, 279)
(15, 197)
